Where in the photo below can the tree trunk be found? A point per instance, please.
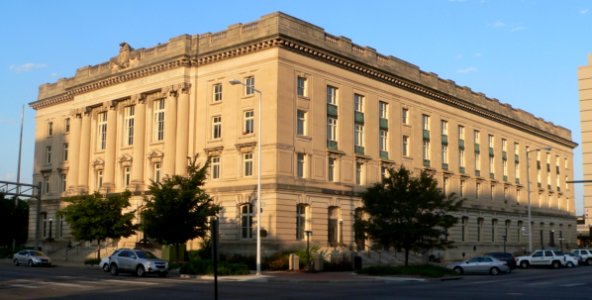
(99, 249)
(406, 256)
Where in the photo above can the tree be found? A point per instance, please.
(15, 216)
(409, 213)
(96, 218)
(179, 208)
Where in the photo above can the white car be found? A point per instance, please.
(545, 258)
(584, 254)
(106, 261)
(571, 260)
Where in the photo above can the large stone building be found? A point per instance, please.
(334, 116)
(585, 89)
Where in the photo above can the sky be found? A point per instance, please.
(524, 53)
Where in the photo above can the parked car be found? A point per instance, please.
(106, 261)
(543, 258)
(584, 254)
(138, 262)
(572, 260)
(31, 258)
(504, 256)
(480, 265)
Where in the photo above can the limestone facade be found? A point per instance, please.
(585, 92)
(334, 115)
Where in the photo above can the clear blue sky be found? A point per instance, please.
(525, 53)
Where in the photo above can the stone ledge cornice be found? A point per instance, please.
(71, 92)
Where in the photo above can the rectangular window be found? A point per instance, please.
(217, 92)
(359, 135)
(426, 150)
(516, 149)
(383, 140)
(331, 95)
(248, 164)
(359, 173)
(49, 128)
(301, 122)
(331, 169)
(517, 170)
(504, 145)
(246, 221)
(461, 132)
(302, 89)
(493, 229)
(67, 125)
(405, 116)
(358, 103)
(127, 174)
(491, 165)
(477, 161)
(479, 229)
(491, 141)
(406, 146)
(249, 122)
(128, 123)
(476, 136)
(250, 85)
(425, 121)
(215, 167)
(331, 129)
(301, 212)
(383, 110)
(48, 154)
(216, 127)
(464, 229)
(99, 179)
(445, 182)
(156, 172)
(158, 127)
(46, 186)
(492, 192)
(102, 131)
(444, 154)
(505, 167)
(462, 188)
(444, 125)
(477, 190)
(300, 163)
(64, 182)
(65, 151)
(461, 158)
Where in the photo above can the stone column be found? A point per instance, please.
(169, 131)
(85, 148)
(182, 130)
(110, 161)
(74, 148)
(138, 150)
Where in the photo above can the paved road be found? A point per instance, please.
(85, 283)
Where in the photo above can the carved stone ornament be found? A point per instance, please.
(98, 164)
(124, 58)
(155, 156)
(126, 160)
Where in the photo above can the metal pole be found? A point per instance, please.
(214, 229)
(259, 219)
(18, 171)
(528, 196)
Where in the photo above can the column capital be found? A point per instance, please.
(184, 87)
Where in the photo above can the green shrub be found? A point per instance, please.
(432, 271)
(199, 266)
(92, 261)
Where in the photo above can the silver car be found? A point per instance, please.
(480, 265)
(31, 258)
(106, 261)
(138, 262)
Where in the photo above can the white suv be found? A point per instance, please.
(138, 262)
(584, 254)
(544, 258)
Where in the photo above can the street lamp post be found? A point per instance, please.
(259, 113)
(50, 227)
(528, 195)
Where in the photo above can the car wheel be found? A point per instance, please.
(140, 271)
(589, 261)
(30, 263)
(458, 270)
(106, 267)
(570, 265)
(524, 265)
(556, 265)
(163, 274)
(114, 270)
(494, 271)
(15, 261)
